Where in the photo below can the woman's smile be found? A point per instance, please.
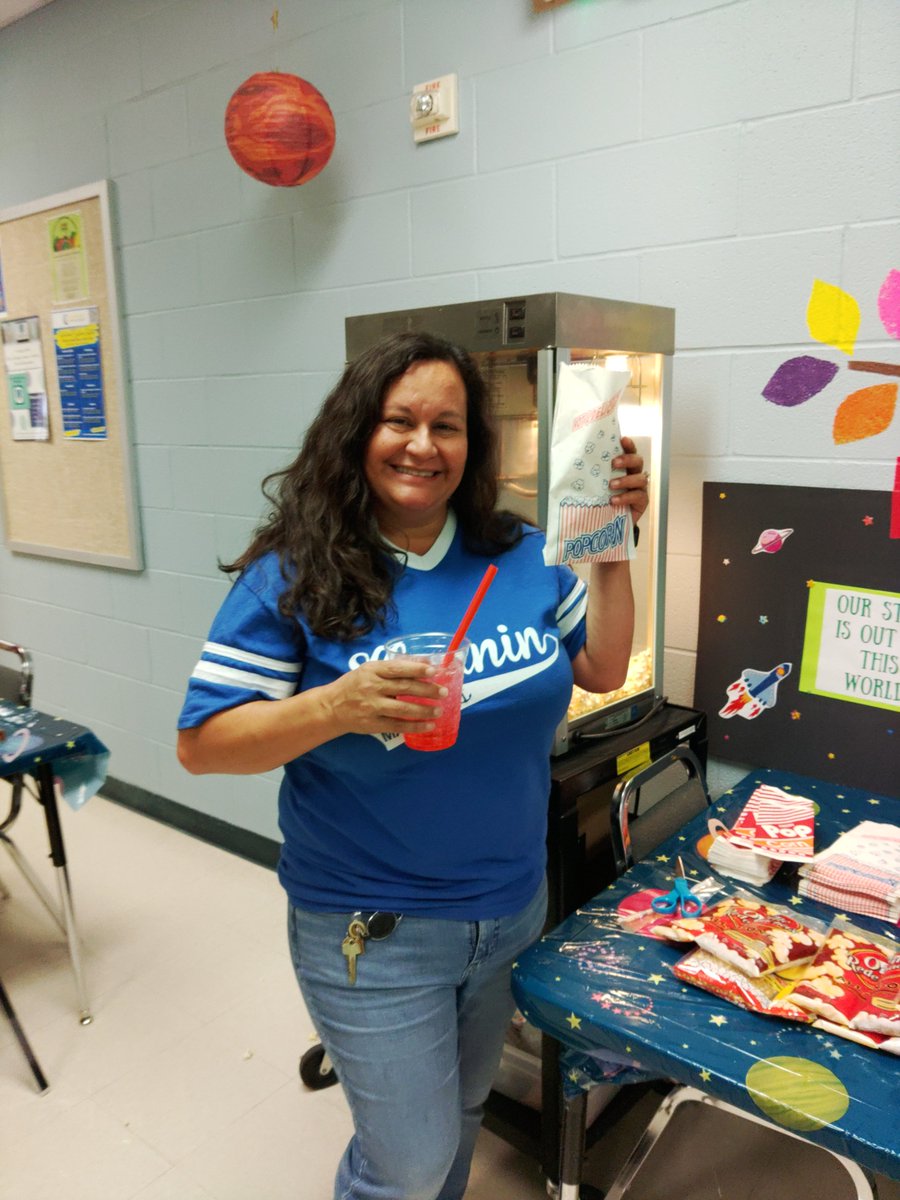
(417, 454)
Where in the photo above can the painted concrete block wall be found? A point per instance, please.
(712, 155)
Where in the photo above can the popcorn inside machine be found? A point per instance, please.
(519, 343)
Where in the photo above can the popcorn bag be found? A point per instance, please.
(582, 525)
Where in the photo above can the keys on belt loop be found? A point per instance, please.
(352, 946)
(376, 925)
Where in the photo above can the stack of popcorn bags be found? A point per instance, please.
(766, 959)
(773, 828)
(762, 957)
(859, 872)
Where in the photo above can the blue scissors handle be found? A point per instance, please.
(680, 896)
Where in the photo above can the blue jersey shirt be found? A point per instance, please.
(367, 822)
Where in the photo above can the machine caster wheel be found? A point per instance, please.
(316, 1070)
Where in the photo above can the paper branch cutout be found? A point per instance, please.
(865, 413)
(889, 303)
(798, 380)
(832, 316)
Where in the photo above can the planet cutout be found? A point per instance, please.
(770, 541)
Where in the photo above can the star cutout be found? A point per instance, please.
(810, 583)
(705, 1075)
(835, 1054)
(831, 754)
(796, 900)
(720, 1021)
(795, 715)
(721, 618)
(656, 978)
(726, 562)
(573, 1075)
(574, 1022)
(662, 858)
(868, 520)
(763, 619)
(872, 800)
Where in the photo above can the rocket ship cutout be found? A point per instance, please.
(754, 691)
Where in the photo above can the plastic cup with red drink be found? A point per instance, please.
(449, 664)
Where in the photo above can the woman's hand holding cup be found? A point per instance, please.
(365, 700)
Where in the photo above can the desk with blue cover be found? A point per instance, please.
(610, 996)
(53, 751)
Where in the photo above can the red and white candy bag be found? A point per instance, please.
(760, 994)
(880, 1013)
(842, 978)
(753, 936)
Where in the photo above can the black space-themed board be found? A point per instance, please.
(798, 654)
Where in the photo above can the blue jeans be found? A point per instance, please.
(416, 1042)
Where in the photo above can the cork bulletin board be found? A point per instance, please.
(798, 655)
(66, 479)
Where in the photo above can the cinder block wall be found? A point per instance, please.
(712, 156)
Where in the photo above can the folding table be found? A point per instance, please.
(603, 991)
(46, 747)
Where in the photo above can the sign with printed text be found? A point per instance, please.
(851, 650)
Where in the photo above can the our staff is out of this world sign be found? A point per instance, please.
(851, 649)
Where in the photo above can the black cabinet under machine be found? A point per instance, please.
(524, 1107)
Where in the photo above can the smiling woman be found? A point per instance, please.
(416, 456)
(383, 528)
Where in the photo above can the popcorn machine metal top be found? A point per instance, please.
(519, 343)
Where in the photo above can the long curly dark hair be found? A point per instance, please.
(334, 560)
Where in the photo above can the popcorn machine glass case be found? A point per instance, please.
(519, 343)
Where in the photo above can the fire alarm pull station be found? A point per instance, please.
(434, 109)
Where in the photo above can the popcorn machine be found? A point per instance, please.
(519, 343)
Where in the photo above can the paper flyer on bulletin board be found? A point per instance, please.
(76, 337)
(67, 255)
(798, 650)
(26, 386)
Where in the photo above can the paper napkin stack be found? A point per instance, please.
(773, 827)
(859, 872)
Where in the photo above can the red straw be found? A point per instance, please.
(470, 613)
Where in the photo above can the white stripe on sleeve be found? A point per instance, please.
(277, 689)
(253, 660)
(572, 609)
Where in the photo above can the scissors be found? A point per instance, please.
(680, 894)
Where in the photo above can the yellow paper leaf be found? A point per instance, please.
(865, 413)
(832, 316)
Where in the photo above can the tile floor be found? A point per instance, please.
(185, 1085)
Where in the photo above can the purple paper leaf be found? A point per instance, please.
(798, 379)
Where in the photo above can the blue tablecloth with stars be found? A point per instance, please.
(611, 998)
(29, 738)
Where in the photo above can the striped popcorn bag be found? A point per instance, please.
(583, 526)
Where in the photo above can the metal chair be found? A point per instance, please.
(6, 1005)
(687, 1123)
(16, 684)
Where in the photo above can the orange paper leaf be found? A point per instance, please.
(865, 413)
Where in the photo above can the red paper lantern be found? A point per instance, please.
(279, 129)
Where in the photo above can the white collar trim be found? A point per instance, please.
(438, 552)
